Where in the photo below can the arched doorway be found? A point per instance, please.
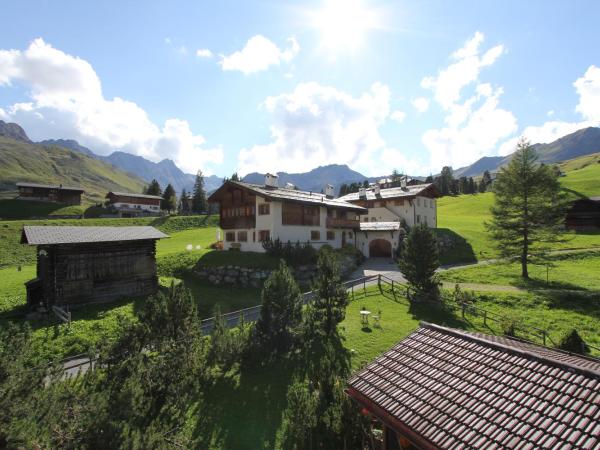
(380, 248)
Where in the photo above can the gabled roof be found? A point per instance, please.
(50, 186)
(130, 194)
(395, 192)
(379, 226)
(445, 388)
(288, 194)
(51, 235)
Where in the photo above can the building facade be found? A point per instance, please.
(50, 193)
(251, 214)
(127, 204)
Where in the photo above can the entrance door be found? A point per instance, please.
(380, 248)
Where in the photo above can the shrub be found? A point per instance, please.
(572, 342)
(294, 254)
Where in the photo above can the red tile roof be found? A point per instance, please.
(445, 388)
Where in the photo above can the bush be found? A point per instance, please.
(572, 342)
(294, 254)
(216, 245)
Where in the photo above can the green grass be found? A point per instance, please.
(12, 288)
(579, 271)
(582, 175)
(13, 253)
(13, 209)
(179, 241)
(252, 260)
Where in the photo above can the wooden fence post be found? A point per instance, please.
(463, 307)
(365, 286)
(544, 336)
(485, 317)
(352, 287)
(379, 283)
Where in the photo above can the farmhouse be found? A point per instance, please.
(441, 388)
(386, 209)
(133, 205)
(251, 214)
(50, 193)
(89, 264)
(584, 213)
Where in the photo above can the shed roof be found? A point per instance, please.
(130, 194)
(50, 186)
(284, 193)
(395, 192)
(444, 388)
(379, 226)
(53, 235)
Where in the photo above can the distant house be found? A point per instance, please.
(50, 193)
(89, 264)
(386, 209)
(127, 204)
(252, 213)
(584, 213)
(441, 388)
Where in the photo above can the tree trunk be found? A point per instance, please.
(524, 271)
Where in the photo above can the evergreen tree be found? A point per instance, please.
(281, 311)
(199, 201)
(153, 188)
(486, 179)
(419, 260)
(429, 179)
(343, 190)
(446, 179)
(183, 206)
(169, 201)
(529, 206)
(481, 187)
(235, 177)
(463, 185)
(472, 189)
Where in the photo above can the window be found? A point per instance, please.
(264, 235)
(373, 219)
(264, 209)
(366, 219)
(315, 235)
(230, 236)
(296, 214)
(431, 203)
(331, 235)
(242, 236)
(418, 218)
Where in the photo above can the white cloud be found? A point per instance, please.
(259, 54)
(448, 84)
(550, 113)
(398, 116)
(204, 53)
(421, 104)
(588, 88)
(316, 125)
(67, 102)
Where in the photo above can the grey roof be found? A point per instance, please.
(49, 186)
(131, 194)
(379, 226)
(280, 193)
(395, 192)
(49, 235)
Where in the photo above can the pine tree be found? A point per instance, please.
(463, 185)
(183, 202)
(429, 179)
(153, 188)
(235, 177)
(419, 260)
(446, 180)
(281, 311)
(169, 201)
(529, 206)
(472, 189)
(199, 201)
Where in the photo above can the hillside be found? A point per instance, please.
(463, 216)
(580, 143)
(23, 161)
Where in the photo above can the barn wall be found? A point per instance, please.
(98, 272)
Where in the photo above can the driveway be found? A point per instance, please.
(376, 266)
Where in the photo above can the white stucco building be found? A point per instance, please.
(251, 214)
(128, 204)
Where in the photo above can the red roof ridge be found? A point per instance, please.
(481, 338)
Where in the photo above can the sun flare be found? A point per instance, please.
(343, 24)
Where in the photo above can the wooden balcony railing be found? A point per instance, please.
(236, 223)
(342, 223)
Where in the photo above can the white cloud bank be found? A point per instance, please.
(67, 102)
(204, 53)
(259, 54)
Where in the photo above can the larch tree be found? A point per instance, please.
(199, 200)
(529, 208)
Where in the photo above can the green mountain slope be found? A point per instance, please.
(23, 161)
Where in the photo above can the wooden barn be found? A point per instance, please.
(91, 264)
(584, 213)
(50, 193)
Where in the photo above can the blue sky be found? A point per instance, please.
(225, 86)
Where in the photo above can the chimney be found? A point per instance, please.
(362, 192)
(329, 191)
(271, 180)
(376, 190)
(290, 186)
(403, 183)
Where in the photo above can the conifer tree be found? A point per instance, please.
(419, 260)
(153, 188)
(529, 206)
(169, 201)
(199, 201)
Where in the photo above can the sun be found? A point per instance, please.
(344, 24)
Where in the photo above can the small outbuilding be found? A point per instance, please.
(91, 264)
(68, 195)
(441, 388)
(584, 213)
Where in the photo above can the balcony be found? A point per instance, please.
(343, 223)
(238, 223)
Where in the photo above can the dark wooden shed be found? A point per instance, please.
(91, 264)
(584, 213)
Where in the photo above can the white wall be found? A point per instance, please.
(119, 205)
(424, 208)
(363, 239)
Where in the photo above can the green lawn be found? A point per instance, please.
(13, 209)
(198, 238)
(579, 271)
(582, 175)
